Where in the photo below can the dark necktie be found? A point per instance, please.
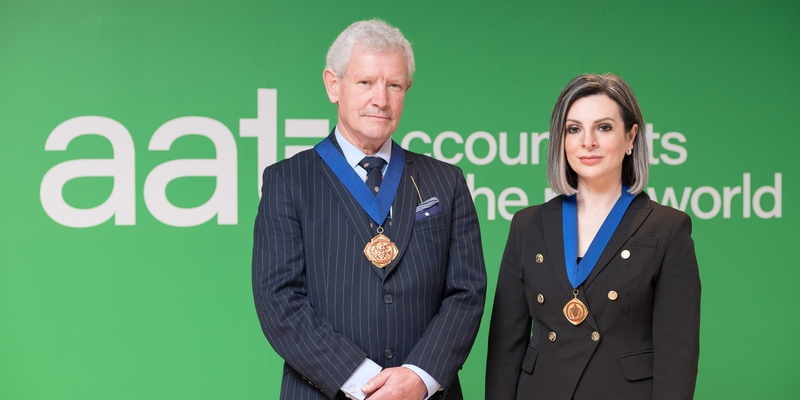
(374, 167)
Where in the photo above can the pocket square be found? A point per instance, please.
(427, 204)
(428, 208)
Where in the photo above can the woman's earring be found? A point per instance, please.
(629, 151)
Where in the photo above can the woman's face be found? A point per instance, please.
(595, 140)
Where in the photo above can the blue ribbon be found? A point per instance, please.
(377, 207)
(578, 272)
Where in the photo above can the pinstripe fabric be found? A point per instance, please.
(324, 307)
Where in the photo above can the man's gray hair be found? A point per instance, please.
(560, 175)
(373, 35)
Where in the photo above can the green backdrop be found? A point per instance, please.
(134, 306)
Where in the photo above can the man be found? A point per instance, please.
(368, 290)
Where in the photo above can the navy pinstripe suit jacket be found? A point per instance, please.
(324, 307)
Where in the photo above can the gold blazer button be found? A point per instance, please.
(540, 298)
(539, 258)
(552, 336)
(595, 336)
(612, 295)
(625, 254)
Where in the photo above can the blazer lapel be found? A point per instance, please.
(554, 240)
(356, 216)
(634, 217)
(403, 212)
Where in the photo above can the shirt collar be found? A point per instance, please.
(353, 155)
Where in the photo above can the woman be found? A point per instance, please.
(598, 295)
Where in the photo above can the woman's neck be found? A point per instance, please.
(594, 204)
(597, 198)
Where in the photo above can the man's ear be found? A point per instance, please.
(331, 85)
(410, 81)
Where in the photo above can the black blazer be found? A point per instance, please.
(641, 337)
(324, 307)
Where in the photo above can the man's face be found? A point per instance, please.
(370, 96)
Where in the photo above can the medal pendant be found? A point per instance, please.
(575, 310)
(380, 251)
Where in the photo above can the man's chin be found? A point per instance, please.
(379, 133)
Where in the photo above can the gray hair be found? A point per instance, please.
(373, 35)
(560, 175)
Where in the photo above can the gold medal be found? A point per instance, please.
(380, 251)
(575, 310)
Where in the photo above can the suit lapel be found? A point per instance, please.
(403, 212)
(356, 216)
(554, 241)
(553, 238)
(634, 217)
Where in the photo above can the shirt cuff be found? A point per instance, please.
(352, 386)
(430, 383)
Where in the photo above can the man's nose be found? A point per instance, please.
(380, 97)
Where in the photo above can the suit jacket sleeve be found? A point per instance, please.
(448, 338)
(676, 317)
(297, 332)
(510, 326)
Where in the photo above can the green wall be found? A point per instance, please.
(135, 307)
